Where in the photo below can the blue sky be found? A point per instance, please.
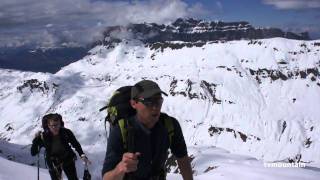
(77, 22)
(293, 15)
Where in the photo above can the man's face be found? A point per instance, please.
(148, 109)
(54, 126)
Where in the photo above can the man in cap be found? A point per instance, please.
(151, 140)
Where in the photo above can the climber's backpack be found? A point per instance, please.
(119, 106)
(119, 110)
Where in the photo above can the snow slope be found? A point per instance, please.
(15, 171)
(217, 163)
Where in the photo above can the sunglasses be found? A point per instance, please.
(151, 102)
(54, 125)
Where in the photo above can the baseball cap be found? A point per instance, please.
(146, 89)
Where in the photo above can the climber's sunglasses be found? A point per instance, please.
(54, 125)
(151, 102)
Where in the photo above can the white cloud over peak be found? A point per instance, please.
(62, 20)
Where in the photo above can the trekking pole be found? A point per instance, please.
(86, 173)
(38, 162)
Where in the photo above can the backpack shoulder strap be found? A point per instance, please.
(169, 126)
(41, 136)
(128, 134)
(124, 132)
(64, 133)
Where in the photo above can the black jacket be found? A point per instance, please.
(66, 137)
(152, 145)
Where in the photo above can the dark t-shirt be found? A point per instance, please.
(57, 148)
(153, 144)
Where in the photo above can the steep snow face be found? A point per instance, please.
(251, 97)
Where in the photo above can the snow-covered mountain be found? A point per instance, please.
(192, 30)
(254, 97)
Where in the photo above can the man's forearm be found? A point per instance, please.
(185, 168)
(114, 174)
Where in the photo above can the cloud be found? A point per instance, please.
(293, 4)
(198, 10)
(298, 27)
(52, 22)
